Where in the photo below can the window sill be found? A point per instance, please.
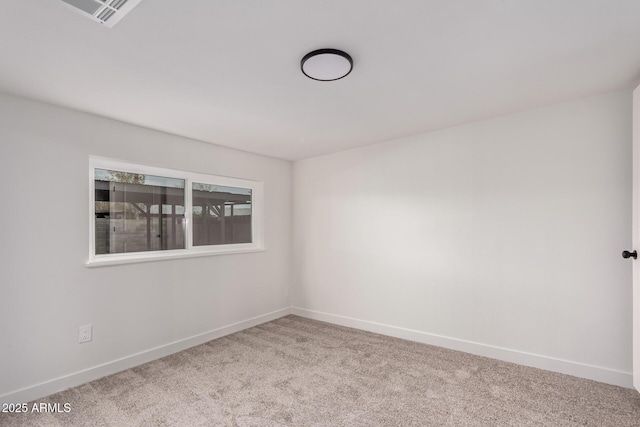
(134, 258)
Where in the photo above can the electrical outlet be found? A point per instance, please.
(85, 333)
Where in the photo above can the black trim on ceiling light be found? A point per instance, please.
(326, 52)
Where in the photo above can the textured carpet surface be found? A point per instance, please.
(300, 372)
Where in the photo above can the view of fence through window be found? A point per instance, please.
(137, 212)
(221, 215)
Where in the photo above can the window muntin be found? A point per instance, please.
(156, 213)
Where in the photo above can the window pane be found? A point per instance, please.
(137, 212)
(221, 215)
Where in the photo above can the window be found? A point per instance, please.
(143, 213)
(221, 215)
(137, 213)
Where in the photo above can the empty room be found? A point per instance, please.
(320, 213)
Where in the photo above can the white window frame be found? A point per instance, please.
(257, 232)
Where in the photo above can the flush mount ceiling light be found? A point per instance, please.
(326, 65)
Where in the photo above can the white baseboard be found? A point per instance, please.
(38, 391)
(47, 388)
(596, 373)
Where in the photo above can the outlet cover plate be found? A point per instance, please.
(85, 333)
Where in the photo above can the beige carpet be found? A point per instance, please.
(300, 372)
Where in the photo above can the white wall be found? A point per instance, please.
(500, 237)
(46, 292)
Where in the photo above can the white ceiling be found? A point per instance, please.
(228, 72)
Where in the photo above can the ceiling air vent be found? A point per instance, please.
(106, 12)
